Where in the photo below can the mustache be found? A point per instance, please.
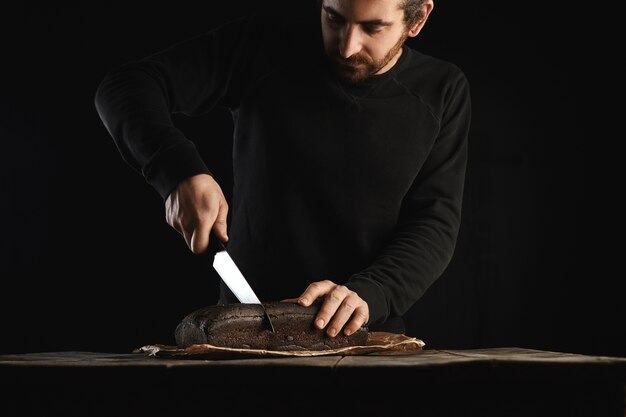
(353, 61)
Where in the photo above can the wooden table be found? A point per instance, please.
(485, 382)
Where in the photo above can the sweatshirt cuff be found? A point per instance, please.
(166, 171)
(374, 296)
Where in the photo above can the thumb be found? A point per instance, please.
(199, 239)
(220, 226)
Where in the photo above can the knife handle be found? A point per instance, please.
(215, 245)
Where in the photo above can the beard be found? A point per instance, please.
(357, 68)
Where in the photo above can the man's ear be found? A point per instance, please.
(427, 7)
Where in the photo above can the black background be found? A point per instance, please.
(88, 263)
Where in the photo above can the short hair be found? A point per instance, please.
(413, 12)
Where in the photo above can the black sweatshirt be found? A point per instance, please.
(358, 184)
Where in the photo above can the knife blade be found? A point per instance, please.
(234, 279)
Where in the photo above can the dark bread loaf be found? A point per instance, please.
(244, 326)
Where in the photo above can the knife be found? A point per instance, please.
(234, 279)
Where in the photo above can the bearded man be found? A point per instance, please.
(349, 154)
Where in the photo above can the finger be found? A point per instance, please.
(360, 316)
(186, 236)
(329, 307)
(290, 300)
(314, 291)
(220, 227)
(344, 313)
(170, 215)
(178, 227)
(200, 237)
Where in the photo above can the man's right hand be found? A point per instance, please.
(195, 207)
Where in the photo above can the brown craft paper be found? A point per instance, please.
(378, 343)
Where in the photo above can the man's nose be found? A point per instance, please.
(351, 42)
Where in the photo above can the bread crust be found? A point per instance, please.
(244, 326)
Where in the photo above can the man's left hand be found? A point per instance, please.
(341, 305)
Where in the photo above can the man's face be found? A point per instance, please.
(362, 37)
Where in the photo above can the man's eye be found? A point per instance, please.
(333, 18)
(371, 30)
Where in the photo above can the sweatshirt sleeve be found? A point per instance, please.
(425, 239)
(136, 100)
